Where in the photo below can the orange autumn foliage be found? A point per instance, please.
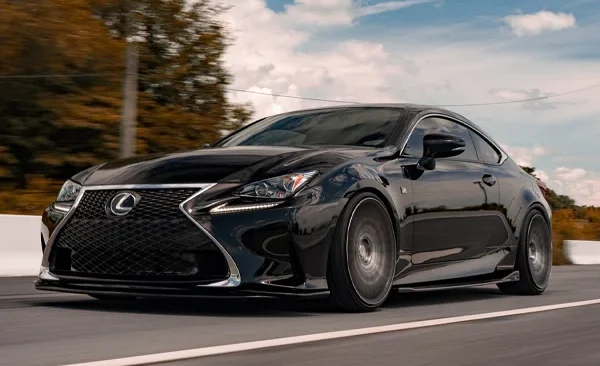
(576, 223)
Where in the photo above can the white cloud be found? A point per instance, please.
(270, 53)
(265, 58)
(328, 13)
(581, 185)
(534, 95)
(540, 150)
(390, 6)
(569, 174)
(319, 12)
(536, 23)
(577, 183)
(542, 175)
(525, 156)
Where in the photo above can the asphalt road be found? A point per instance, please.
(38, 328)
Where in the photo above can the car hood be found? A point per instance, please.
(217, 165)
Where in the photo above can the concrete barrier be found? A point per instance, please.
(582, 251)
(20, 247)
(21, 252)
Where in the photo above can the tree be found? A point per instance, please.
(61, 124)
(529, 170)
(182, 79)
(556, 201)
(58, 124)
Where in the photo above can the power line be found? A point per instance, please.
(319, 99)
(523, 100)
(438, 105)
(291, 96)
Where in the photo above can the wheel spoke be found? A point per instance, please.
(370, 251)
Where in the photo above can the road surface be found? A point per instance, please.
(40, 328)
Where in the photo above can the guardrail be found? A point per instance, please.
(582, 251)
(20, 246)
(21, 251)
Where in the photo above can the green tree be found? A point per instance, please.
(558, 201)
(182, 79)
(529, 170)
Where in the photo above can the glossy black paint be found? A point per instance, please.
(457, 221)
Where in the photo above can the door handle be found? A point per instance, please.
(489, 179)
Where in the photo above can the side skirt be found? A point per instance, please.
(512, 277)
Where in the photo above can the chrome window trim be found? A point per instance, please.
(234, 273)
(503, 155)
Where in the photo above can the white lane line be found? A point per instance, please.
(277, 342)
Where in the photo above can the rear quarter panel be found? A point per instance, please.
(519, 193)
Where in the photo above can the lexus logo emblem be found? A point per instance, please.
(122, 203)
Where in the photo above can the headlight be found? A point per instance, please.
(69, 192)
(278, 187)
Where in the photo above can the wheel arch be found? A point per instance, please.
(526, 284)
(535, 205)
(543, 211)
(528, 197)
(374, 188)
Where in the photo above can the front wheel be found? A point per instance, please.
(534, 257)
(361, 262)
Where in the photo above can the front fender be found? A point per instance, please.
(357, 177)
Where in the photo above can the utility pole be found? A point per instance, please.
(130, 86)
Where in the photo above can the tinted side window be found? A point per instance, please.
(414, 146)
(486, 152)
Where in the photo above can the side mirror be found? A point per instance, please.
(440, 145)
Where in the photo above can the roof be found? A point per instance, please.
(406, 106)
(412, 107)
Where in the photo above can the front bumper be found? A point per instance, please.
(276, 252)
(91, 287)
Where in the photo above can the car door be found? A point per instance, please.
(454, 204)
(490, 155)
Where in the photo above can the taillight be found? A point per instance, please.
(542, 186)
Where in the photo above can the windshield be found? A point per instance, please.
(367, 127)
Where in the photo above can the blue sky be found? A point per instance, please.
(438, 52)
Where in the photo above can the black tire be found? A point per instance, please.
(534, 257)
(107, 297)
(362, 256)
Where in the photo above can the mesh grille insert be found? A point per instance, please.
(156, 240)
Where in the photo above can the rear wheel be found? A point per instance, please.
(534, 257)
(361, 261)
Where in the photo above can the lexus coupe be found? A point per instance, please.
(348, 203)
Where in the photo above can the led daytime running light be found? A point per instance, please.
(241, 208)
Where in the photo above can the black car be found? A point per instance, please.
(349, 203)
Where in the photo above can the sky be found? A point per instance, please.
(439, 52)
